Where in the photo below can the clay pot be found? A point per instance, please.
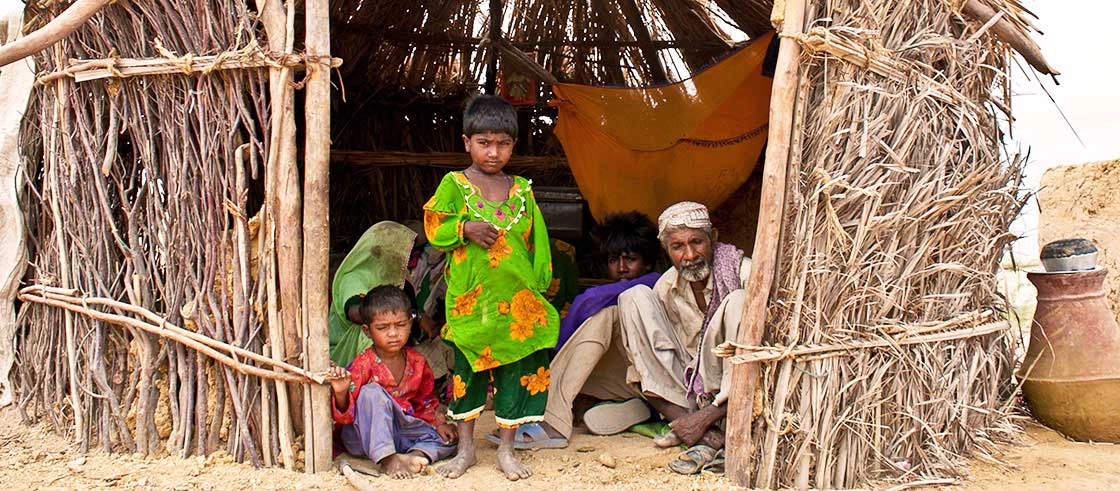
(1072, 367)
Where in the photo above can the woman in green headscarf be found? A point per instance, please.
(379, 258)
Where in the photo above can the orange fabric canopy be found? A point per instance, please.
(647, 148)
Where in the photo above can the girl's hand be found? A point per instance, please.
(340, 380)
(480, 233)
(449, 432)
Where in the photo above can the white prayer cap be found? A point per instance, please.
(684, 214)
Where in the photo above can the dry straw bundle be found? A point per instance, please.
(140, 205)
(887, 361)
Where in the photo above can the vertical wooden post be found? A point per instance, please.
(316, 228)
(495, 34)
(282, 148)
(744, 378)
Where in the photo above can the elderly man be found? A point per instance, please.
(669, 331)
(663, 337)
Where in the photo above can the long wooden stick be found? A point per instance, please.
(763, 354)
(281, 146)
(190, 339)
(316, 229)
(62, 295)
(68, 21)
(744, 377)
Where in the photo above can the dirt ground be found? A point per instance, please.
(33, 458)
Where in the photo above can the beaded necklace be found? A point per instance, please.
(473, 190)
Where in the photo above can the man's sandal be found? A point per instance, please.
(716, 466)
(692, 460)
(530, 436)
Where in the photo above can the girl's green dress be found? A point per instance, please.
(496, 313)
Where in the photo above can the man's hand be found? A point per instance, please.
(692, 426)
(481, 233)
(449, 433)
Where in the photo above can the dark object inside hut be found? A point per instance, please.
(564, 211)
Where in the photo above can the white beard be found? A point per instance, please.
(698, 270)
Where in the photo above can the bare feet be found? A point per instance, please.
(458, 465)
(667, 440)
(511, 466)
(464, 457)
(417, 462)
(399, 466)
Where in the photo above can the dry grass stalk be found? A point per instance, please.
(898, 206)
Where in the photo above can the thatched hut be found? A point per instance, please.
(182, 174)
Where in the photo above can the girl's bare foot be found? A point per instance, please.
(511, 466)
(458, 465)
(397, 466)
(464, 456)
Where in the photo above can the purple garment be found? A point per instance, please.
(594, 299)
(726, 260)
(381, 428)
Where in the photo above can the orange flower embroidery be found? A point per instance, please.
(459, 254)
(485, 361)
(566, 249)
(459, 388)
(432, 221)
(553, 289)
(464, 304)
(503, 307)
(520, 331)
(526, 235)
(500, 250)
(537, 382)
(528, 311)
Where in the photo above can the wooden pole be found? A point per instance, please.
(281, 148)
(316, 228)
(495, 36)
(744, 377)
(59, 27)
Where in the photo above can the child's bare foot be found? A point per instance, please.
(511, 466)
(398, 466)
(417, 462)
(458, 465)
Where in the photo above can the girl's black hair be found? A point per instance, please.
(488, 113)
(627, 232)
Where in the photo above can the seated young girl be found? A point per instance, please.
(385, 400)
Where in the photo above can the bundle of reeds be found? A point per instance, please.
(151, 324)
(887, 358)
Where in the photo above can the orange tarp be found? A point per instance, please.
(647, 148)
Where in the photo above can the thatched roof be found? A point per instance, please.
(433, 47)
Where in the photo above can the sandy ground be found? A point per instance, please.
(32, 458)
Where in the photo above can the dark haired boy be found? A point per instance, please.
(386, 399)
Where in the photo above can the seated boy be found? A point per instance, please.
(386, 399)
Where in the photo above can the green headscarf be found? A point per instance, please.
(379, 258)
